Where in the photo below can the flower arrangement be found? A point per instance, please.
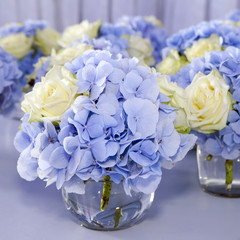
(195, 41)
(131, 37)
(25, 42)
(142, 37)
(99, 116)
(207, 94)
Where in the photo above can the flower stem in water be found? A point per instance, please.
(209, 158)
(229, 174)
(107, 185)
(117, 216)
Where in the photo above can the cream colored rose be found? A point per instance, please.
(208, 102)
(77, 31)
(153, 20)
(202, 46)
(60, 58)
(51, 97)
(177, 100)
(140, 48)
(69, 54)
(232, 23)
(171, 64)
(17, 44)
(47, 39)
(173, 91)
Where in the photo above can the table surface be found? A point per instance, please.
(180, 211)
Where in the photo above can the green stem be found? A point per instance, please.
(209, 158)
(117, 216)
(229, 174)
(107, 185)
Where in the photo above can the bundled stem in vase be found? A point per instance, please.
(107, 185)
(229, 174)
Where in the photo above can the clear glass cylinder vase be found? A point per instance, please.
(218, 175)
(119, 211)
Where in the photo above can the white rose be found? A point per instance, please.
(152, 19)
(232, 23)
(177, 100)
(51, 97)
(78, 31)
(47, 39)
(17, 44)
(140, 48)
(171, 64)
(173, 91)
(202, 46)
(69, 54)
(208, 102)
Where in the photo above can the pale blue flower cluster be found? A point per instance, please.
(185, 38)
(234, 16)
(27, 63)
(136, 26)
(122, 129)
(11, 82)
(226, 142)
(28, 27)
(115, 45)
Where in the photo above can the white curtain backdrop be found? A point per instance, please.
(175, 14)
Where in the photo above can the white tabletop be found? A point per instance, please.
(180, 211)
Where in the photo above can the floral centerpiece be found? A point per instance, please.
(195, 41)
(142, 37)
(131, 37)
(100, 120)
(207, 95)
(26, 42)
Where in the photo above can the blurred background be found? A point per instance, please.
(175, 14)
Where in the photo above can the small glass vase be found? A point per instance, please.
(105, 205)
(218, 175)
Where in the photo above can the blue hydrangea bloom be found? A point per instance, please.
(27, 63)
(11, 82)
(28, 27)
(185, 38)
(234, 16)
(223, 143)
(123, 129)
(24, 142)
(136, 26)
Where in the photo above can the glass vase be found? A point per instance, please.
(218, 175)
(105, 206)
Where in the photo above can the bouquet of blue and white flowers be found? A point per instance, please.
(195, 41)
(138, 37)
(21, 46)
(99, 115)
(141, 37)
(28, 41)
(207, 94)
